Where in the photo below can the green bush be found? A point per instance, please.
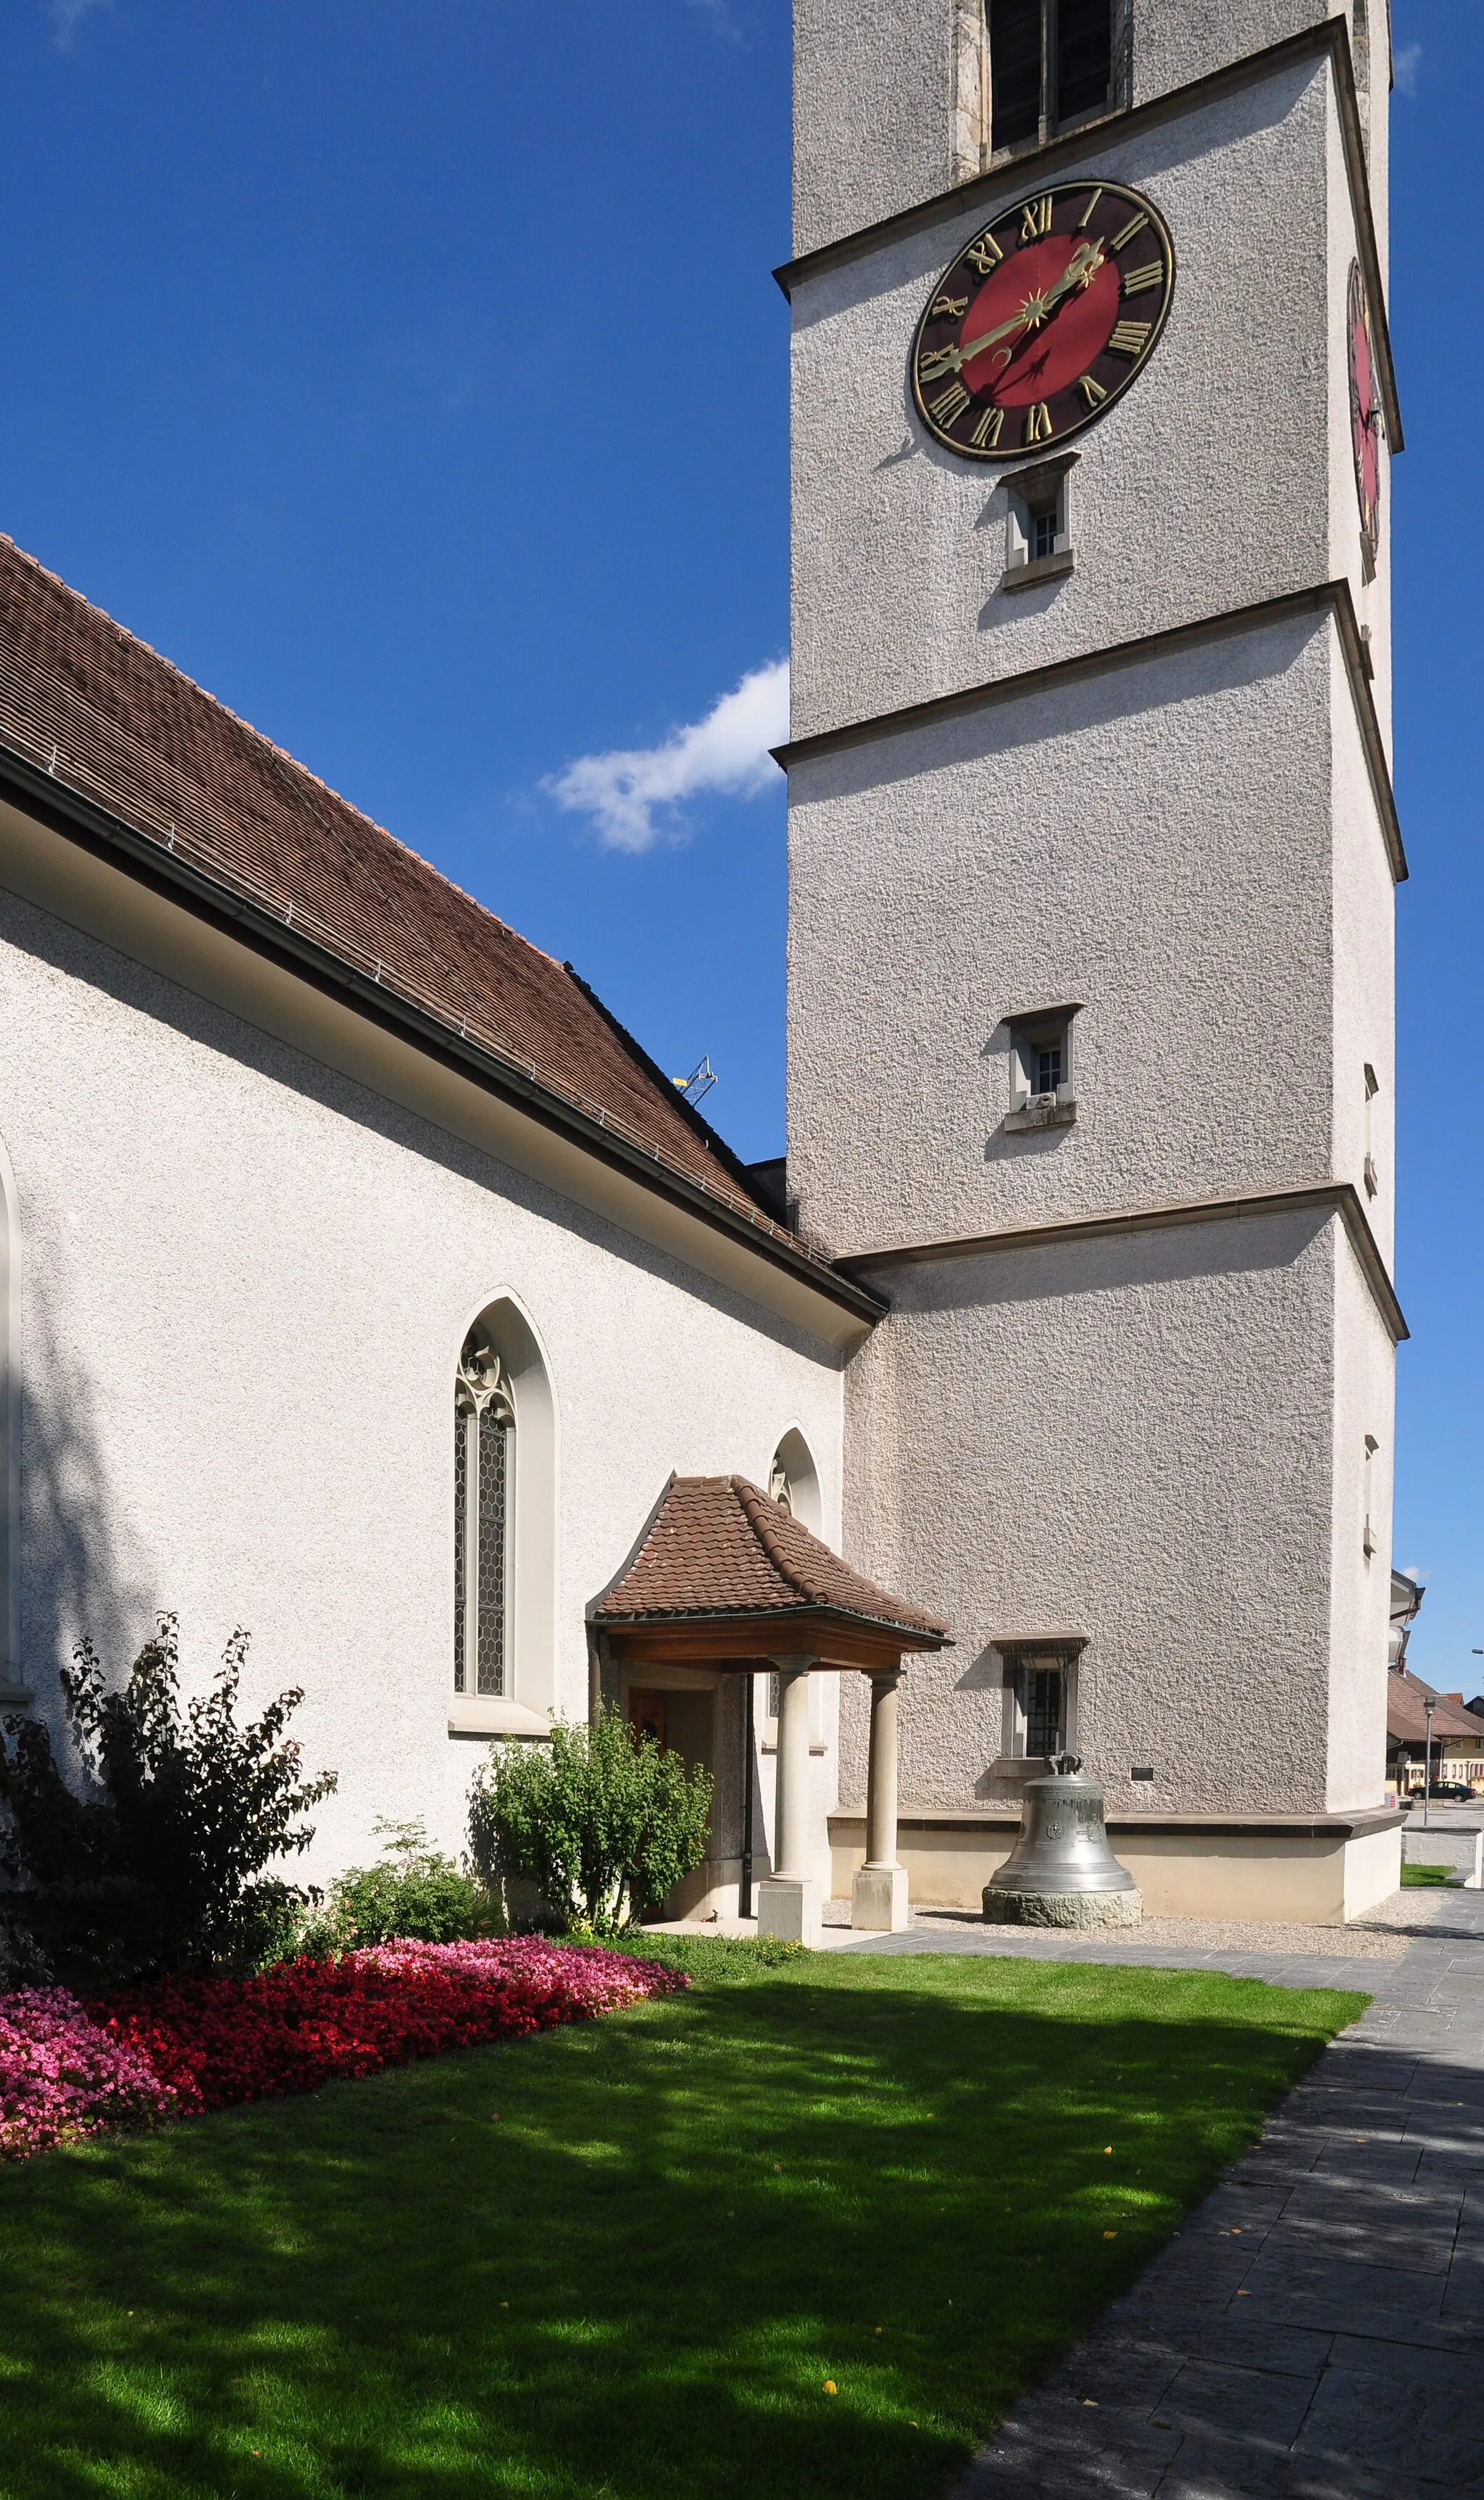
(158, 1866)
(412, 1890)
(601, 1822)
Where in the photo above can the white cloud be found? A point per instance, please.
(1404, 67)
(67, 17)
(631, 795)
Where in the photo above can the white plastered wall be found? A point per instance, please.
(1365, 1407)
(1152, 840)
(878, 92)
(1128, 1438)
(247, 1279)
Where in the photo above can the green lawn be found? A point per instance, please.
(623, 2259)
(1420, 1876)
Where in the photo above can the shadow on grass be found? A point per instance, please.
(635, 2279)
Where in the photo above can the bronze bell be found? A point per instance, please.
(1062, 1872)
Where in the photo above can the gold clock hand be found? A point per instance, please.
(1081, 269)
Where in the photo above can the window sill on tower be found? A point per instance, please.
(489, 1714)
(1037, 568)
(1042, 1112)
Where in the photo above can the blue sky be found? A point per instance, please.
(342, 368)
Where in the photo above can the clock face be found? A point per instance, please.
(1365, 410)
(1043, 320)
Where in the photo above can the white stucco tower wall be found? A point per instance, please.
(1135, 1392)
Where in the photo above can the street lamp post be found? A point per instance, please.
(1427, 1709)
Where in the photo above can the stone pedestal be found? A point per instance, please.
(879, 1900)
(1063, 1909)
(790, 1907)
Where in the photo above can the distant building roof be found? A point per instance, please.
(1405, 1718)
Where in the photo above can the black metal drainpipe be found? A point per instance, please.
(744, 1893)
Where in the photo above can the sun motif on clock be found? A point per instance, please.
(1043, 320)
(1365, 410)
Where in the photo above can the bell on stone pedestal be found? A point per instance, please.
(1062, 1872)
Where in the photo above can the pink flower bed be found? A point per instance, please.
(61, 2075)
(67, 2068)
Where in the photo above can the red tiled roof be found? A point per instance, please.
(107, 716)
(1405, 1723)
(718, 1546)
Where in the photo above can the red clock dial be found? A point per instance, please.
(1043, 320)
(1365, 410)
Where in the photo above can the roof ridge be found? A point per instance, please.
(296, 766)
(754, 1504)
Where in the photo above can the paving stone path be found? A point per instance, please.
(1316, 2330)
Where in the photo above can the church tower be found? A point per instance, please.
(1092, 855)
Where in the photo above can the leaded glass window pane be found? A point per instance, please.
(461, 1543)
(484, 1458)
(493, 1471)
(1043, 1711)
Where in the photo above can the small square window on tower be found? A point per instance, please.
(1041, 1094)
(1038, 532)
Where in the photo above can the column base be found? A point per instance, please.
(879, 1900)
(788, 1907)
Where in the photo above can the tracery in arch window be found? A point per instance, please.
(484, 1504)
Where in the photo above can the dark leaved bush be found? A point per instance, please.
(156, 1864)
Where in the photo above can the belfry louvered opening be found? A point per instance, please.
(1053, 62)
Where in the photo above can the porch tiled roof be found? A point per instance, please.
(716, 1546)
(1405, 1723)
(105, 715)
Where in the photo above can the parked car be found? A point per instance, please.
(1452, 1791)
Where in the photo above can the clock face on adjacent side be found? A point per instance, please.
(1043, 320)
(1364, 410)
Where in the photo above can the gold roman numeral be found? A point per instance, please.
(986, 433)
(949, 308)
(983, 256)
(1129, 338)
(1091, 204)
(1092, 391)
(1135, 225)
(934, 362)
(1038, 423)
(950, 406)
(1036, 219)
(1137, 281)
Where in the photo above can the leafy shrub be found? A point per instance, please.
(412, 1890)
(601, 1822)
(158, 1866)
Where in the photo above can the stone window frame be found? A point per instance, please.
(1031, 1031)
(1050, 124)
(1039, 494)
(1019, 1657)
(503, 1384)
(794, 1480)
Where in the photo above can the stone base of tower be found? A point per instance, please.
(1313, 1870)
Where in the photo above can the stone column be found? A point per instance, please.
(790, 1899)
(879, 1892)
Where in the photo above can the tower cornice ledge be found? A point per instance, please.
(1332, 597)
(1330, 1197)
(1332, 35)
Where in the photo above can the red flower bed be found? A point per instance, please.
(218, 2042)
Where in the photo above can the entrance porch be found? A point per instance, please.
(727, 1595)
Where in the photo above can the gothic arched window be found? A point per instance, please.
(484, 1505)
